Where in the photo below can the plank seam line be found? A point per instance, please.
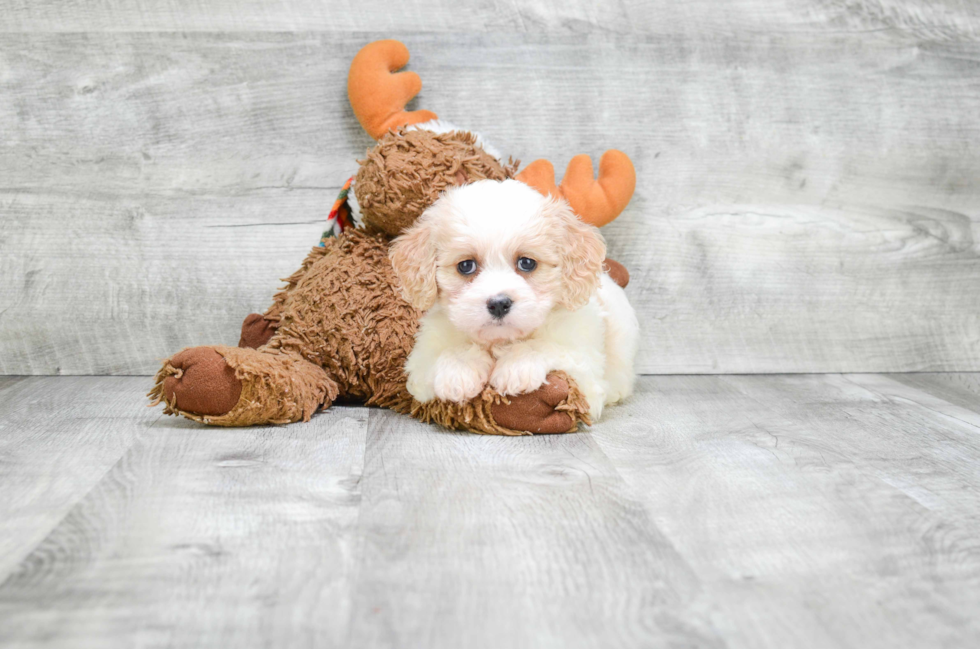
(4, 578)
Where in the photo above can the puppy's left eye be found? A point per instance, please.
(526, 264)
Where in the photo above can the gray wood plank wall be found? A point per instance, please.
(807, 197)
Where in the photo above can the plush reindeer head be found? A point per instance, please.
(417, 157)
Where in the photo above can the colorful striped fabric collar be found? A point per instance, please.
(339, 218)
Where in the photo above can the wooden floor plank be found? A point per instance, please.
(202, 537)
(800, 502)
(959, 388)
(897, 390)
(746, 512)
(912, 443)
(497, 542)
(7, 381)
(58, 438)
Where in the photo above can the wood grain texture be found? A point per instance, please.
(744, 512)
(488, 542)
(961, 389)
(230, 538)
(806, 200)
(55, 446)
(819, 511)
(933, 19)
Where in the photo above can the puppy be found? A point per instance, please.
(512, 285)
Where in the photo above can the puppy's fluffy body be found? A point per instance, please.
(562, 311)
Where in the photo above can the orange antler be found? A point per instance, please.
(595, 201)
(378, 93)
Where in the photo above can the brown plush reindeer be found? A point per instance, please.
(339, 329)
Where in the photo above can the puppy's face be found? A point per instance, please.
(499, 256)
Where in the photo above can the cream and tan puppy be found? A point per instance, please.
(513, 287)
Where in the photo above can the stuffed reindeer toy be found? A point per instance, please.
(340, 328)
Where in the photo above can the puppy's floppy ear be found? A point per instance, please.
(582, 251)
(413, 256)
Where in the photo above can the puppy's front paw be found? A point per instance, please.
(458, 380)
(519, 373)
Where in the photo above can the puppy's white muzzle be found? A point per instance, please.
(498, 305)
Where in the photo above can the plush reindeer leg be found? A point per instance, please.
(227, 386)
(257, 330)
(617, 272)
(231, 386)
(556, 407)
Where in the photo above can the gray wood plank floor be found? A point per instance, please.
(708, 511)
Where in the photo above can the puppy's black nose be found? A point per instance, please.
(499, 305)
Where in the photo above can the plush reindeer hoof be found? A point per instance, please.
(256, 331)
(617, 272)
(535, 411)
(202, 383)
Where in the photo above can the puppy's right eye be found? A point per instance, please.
(466, 267)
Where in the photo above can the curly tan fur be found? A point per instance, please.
(407, 170)
(277, 388)
(343, 314)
